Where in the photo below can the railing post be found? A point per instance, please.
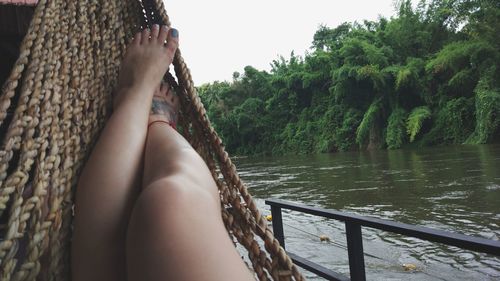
(355, 251)
(278, 225)
(353, 226)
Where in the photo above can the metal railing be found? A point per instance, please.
(353, 224)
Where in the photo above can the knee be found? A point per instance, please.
(187, 168)
(171, 197)
(193, 168)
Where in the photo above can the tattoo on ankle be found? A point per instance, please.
(162, 107)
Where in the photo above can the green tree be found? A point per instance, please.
(429, 75)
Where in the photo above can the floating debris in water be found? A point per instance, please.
(409, 267)
(325, 238)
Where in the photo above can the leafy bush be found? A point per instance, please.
(454, 122)
(487, 112)
(415, 120)
(346, 136)
(369, 119)
(396, 135)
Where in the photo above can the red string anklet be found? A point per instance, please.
(171, 124)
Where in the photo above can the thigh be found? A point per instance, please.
(176, 232)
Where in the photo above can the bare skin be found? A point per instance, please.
(147, 207)
(165, 105)
(110, 181)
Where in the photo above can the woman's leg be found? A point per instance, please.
(176, 230)
(110, 181)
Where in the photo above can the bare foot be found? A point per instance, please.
(165, 106)
(146, 62)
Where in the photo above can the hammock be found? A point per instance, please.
(58, 91)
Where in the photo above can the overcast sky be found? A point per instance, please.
(219, 37)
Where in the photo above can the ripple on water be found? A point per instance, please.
(407, 180)
(357, 189)
(493, 187)
(331, 168)
(253, 174)
(452, 195)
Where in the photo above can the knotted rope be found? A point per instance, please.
(62, 81)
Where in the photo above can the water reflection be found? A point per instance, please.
(452, 188)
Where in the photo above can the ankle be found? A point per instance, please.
(162, 122)
(138, 95)
(140, 89)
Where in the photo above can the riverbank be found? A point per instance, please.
(421, 78)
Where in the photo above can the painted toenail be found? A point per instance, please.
(174, 33)
(155, 26)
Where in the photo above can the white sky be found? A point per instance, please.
(218, 37)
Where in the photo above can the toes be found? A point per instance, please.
(162, 37)
(137, 39)
(154, 32)
(172, 42)
(145, 35)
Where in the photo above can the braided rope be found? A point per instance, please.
(30, 49)
(47, 160)
(63, 78)
(58, 208)
(16, 182)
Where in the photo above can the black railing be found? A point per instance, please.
(353, 224)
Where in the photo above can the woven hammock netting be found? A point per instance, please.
(59, 93)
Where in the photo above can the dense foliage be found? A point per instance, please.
(430, 75)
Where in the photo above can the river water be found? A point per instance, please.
(453, 188)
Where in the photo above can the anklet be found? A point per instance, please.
(171, 124)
